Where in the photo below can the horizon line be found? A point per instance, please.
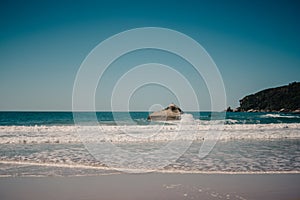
(99, 111)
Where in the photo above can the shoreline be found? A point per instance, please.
(107, 170)
(153, 186)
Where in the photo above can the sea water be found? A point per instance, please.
(49, 143)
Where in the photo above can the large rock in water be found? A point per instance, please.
(280, 99)
(172, 112)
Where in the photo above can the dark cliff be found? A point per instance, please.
(284, 98)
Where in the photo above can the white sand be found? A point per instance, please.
(153, 186)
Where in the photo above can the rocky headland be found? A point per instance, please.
(280, 99)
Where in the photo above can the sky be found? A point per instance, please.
(254, 44)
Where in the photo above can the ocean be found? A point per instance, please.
(74, 144)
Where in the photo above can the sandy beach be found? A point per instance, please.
(153, 186)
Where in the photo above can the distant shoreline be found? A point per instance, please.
(263, 111)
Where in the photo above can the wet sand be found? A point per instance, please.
(153, 186)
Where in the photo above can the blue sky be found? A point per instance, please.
(255, 45)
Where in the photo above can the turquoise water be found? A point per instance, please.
(66, 118)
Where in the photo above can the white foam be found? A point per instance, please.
(144, 133)
(170, 171)
(280, 116)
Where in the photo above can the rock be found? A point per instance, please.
(172, 112)
(284, 110)
(229, 109)
(252, 110)
(236, 110)
(297, 111)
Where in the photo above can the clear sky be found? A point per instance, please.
(255, 44)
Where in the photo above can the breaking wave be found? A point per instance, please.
(189, 130)
(280, 116)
